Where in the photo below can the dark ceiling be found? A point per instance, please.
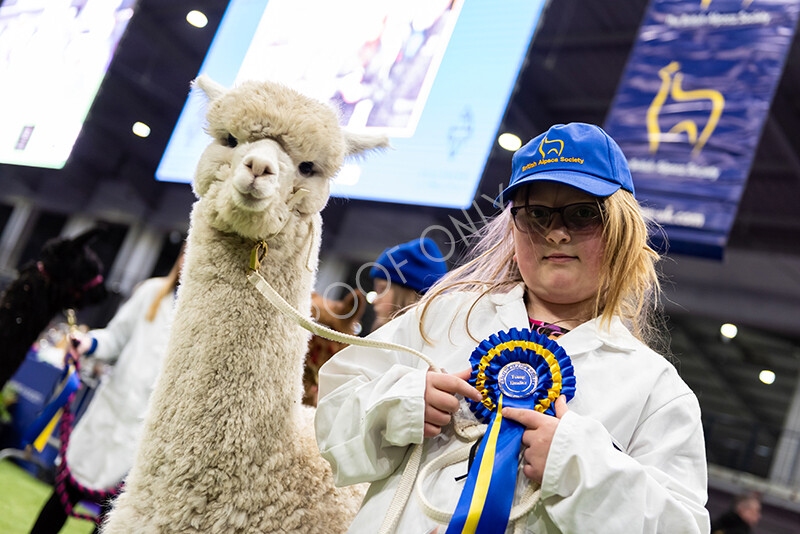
(571, 74)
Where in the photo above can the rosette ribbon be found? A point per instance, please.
(520, 369)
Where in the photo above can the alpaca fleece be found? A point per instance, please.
(228, 446)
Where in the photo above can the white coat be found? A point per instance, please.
(628, 456)
(102, 445)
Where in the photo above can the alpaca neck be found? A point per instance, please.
(249, 338)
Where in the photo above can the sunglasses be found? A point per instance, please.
(579, 217)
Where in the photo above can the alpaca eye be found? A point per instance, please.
(231, 141)
(306, 168)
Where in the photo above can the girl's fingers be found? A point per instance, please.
(454, 384)
(436, 417)
(443, 401)
(463, 375)
(561, 406)
(527, 418)
(431, 430)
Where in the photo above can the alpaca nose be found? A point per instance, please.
(260, 165)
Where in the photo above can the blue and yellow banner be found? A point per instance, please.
(690, 108)
(518, 369)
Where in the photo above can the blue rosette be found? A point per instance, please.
(520, 369)
(544, 355)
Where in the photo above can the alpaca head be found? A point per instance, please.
(341, 315)
(74, 269)
(272, 158)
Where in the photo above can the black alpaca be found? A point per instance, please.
(68, 274)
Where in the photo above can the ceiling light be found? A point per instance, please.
(728, 330)
(141, 129)
(509, 141)
(766, 376)
(197, 19)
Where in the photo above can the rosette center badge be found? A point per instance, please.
(517, 380)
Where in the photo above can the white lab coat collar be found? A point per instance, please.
(591, 335)
(511, 307)
(584, 338)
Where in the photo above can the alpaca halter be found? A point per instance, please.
(42, 270)
(261, 248)
(94, 282)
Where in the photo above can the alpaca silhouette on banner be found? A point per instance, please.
(705, 3)
(671, 86)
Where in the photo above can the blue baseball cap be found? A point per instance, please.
(417, 264)
(576, 154)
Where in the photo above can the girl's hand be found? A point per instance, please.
(81, 342)
(539, 435)
(440, 398)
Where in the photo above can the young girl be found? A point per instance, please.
(568, 257)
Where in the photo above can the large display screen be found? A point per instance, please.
(433, 75)
(53, 57)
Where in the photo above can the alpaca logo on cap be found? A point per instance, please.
(544, 149)
(550, 151)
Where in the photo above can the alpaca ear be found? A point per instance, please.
(348, 301)
(212, 89)
(362, 306)
(357, 143)
(354, 304)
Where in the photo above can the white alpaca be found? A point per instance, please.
(228, 447)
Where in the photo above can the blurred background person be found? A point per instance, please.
(103, 443)
(402, 274)
(745, 513)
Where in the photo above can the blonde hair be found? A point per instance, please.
(629, 285)
(170, 283)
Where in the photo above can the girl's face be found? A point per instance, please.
(383, 305)
(560, 266)
(383, 302)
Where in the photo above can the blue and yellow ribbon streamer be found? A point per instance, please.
(519, 369)
(42, 427)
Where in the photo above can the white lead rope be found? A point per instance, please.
(518, 511)
(409, 476)
(406, 485)
(279, 302)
